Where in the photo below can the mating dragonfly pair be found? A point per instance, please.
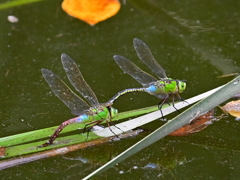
(95, 113)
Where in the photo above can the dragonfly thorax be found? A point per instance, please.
(101, 113)
(98, 113)
(173, 86)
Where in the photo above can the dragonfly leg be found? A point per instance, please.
(173, 104)
(160, 105)
(85, 127)
(88, 129)
(181, 99)
(109, 123)
(96, 123)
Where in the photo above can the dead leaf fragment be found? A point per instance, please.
(2, 151)
(195, 125)
(91, 11)
(232, 108)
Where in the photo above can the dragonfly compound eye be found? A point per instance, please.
(181, 86)
(114, 112)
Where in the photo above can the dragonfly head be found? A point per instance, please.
(181, 86)
(113, 112)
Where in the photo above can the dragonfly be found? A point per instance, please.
(162, 88)
(91, 113)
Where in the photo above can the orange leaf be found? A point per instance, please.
(195, 125)
(91, 11)
(232, 108)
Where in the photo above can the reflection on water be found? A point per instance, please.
(161, 164)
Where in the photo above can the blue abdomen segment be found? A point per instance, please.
(82, 118)
(152, 89)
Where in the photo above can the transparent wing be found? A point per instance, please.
(64, 93)
(129, 67)
(75, 77)
(161, 95)
(146, 57)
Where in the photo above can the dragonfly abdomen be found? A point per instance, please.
(125, 91)
(59, 129)
(153, 89)
(157, 87)
(82, 118)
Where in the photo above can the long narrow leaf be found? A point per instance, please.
(10, 4)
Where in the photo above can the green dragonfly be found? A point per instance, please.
(162, 88)
(92, 114)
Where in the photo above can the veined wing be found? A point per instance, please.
(64, 93)
(75, 77)
(146, 57)
(129, 67)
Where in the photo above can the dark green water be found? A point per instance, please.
(196, 41)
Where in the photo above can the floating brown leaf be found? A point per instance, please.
(195, 125)
(232, 108)
(91, 11)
